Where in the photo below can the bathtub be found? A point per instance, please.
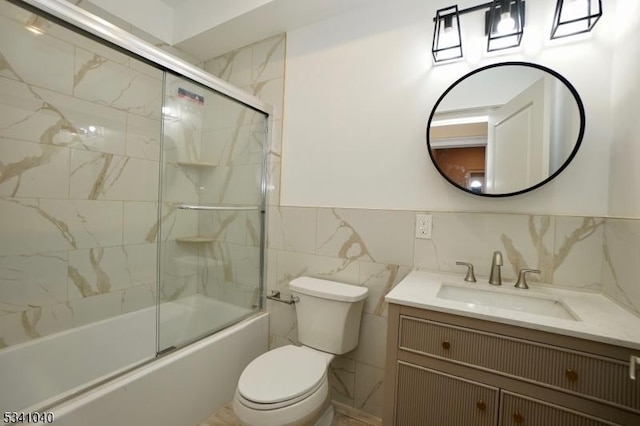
(180, 388)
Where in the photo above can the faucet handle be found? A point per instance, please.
(522, 277)
(470, 275)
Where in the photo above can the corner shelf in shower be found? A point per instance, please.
(195, 164)
(195, 239)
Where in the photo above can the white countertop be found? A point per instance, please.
(599, 318)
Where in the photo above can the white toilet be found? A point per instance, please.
(289, 385)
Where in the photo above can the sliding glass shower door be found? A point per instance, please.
(211, 212)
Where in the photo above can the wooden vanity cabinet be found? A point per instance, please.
(448, 370)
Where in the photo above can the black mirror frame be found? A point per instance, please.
(566, 82)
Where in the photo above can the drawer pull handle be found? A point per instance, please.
(571, 375)
(446, 345)
(481, 405)
(517, 417)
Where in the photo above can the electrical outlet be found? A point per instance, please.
(424, 223)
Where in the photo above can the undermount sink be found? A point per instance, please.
(513, 302)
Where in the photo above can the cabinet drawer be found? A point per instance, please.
(592, 376)
(428, 397)
(516, 410)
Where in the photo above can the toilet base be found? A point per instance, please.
(301, 413)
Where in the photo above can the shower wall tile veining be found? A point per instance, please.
(80, 147)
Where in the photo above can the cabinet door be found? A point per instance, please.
(516, 410)
(427, 397)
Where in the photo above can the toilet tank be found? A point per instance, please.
(328, 313)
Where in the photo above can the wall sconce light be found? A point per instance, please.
(447, 42)
(575, 17)
(504, 24)
(505, 18)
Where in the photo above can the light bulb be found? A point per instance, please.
(506, 24)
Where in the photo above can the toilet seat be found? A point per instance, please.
(282, 377)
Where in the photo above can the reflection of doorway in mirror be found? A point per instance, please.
(459, 151)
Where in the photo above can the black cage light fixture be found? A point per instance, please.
(575, 17)
(504, 24)
(447, 41)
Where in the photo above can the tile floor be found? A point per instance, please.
(225, 417)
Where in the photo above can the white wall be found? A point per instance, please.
(359, 90)
(625, 159)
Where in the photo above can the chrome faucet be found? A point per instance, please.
(495, 278)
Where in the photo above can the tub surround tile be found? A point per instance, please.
(22, 56)
(268, 58)
(33, 170)
(100, 176)
(32, 280)
(143, 137)
(100, 80)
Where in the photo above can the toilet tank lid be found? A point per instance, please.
(328, 289)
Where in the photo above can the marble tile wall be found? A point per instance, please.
(79, 165)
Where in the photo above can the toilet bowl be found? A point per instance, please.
(285, 386)
(289, 386)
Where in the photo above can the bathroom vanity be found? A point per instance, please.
(473, 354)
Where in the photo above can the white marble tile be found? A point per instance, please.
(369, 389)
(282, 320)
(141, 263)
(37, 226)
(525, 242)
(273, 183)
(47, 117)
(291, 265)
(23, 53)
(234, 67)
(32, 280)
(379, 236)
(226, 226)
(109, 177)
(621, 262)
(176, 223)
(379, 280)
(31, 170)
(238, 184)
(143, 137)
(98, 271)
(140, 222)
(292, 228)
(578, 252)
(95, 308)
(227, 146)
(268, 58)
(272, 92)
(181, 184)
(342, 372)
(108, 83)
(34, 323)
(372, 343)
(138, 297)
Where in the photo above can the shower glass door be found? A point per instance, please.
(211, 212)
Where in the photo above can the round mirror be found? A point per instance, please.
(505, 129)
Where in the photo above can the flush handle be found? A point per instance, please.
(633, 366)
(446, 345)
(481, 405)
(571, 375)
(517, 417)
